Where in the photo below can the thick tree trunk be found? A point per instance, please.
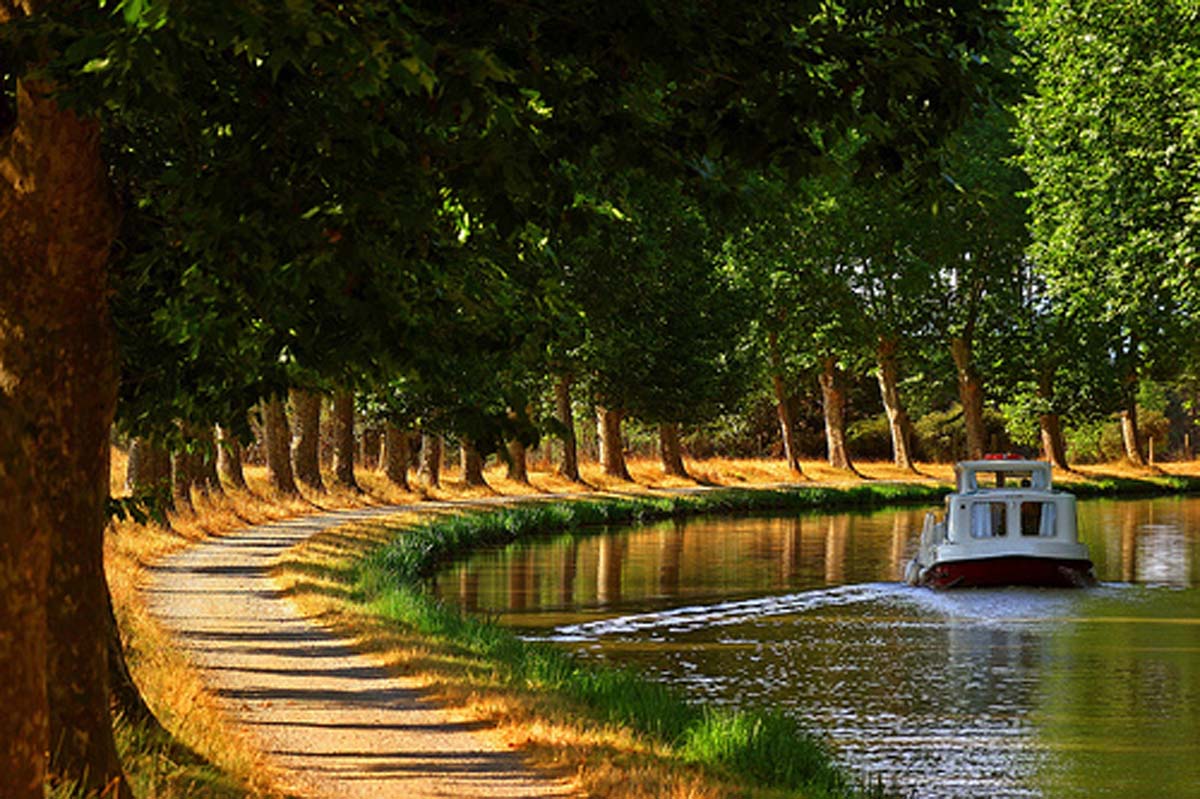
(898, 421)
(306, 438)
(569, 468)
(343, 440)
(783, 408)
(229, 459)
(278, 441)
(58, 379)
(970, 394)
(371, 441)
(472, 464)
(833, 399)
(612, 448)
(430, 469)
(1054, 446)
(518, 465)
(396, 456)
(670, 450)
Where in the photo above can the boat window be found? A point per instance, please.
(987, 519)
(1037, 518)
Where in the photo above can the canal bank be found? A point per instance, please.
(541, 688)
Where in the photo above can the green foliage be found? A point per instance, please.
(941, 435)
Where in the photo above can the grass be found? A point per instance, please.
(554, 729)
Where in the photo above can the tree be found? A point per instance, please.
(1110, 142)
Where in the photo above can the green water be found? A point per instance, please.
(986, 693)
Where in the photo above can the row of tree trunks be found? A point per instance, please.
(833, 398)
(58, 389)
(229, 459)
(898, 421)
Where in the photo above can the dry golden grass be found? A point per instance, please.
(607, 762)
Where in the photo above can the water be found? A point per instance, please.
(1061, 694)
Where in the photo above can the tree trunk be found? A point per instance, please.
(430, 469)
(1053, 445)
(518, 466)
(58, 384)
(970, 394)
(670, 450)
(229, 459)
(278, 441)
(833, 399)
(1130, 435)
(148, 472)
(371, 440)
(612, 451)
(898, 421)
(472, 464)
(569, 468)
(183, 477)
(206, 477)
(396, 456)
(783, 408)
(306, 438)
(343, 440)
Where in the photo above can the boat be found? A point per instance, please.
(1004, 525)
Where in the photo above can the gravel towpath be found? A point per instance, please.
(333, 723)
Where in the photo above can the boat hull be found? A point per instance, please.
(1009, 570)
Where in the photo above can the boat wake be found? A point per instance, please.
(723, 614)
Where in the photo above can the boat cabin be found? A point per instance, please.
(1007, 499)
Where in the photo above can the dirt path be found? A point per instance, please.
(334, 723)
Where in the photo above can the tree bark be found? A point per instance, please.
(183, 477)
(833, 399)
(1130, 435)
(898, 421)
(343, 440)
(518, 465)
(148, 472)
(430, 469)
(371, 442)
(970, 394)
(612, 451)
(58, 387)
(229, 459)
(1054, 446)
(306, 438)
(472, 464)
(206, 477)
(569, 468)
(671, 450)
(783, 408)
(278, 441)
(396, 456)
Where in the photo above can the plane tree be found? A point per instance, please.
(1110, 144)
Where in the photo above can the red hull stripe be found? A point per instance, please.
(1010, 570)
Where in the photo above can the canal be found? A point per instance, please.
(1060, 694)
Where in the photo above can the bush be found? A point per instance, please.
(942, 435)
(871, 438)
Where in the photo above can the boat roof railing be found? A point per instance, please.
(967, 473)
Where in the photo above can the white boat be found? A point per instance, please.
(1003, 525)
